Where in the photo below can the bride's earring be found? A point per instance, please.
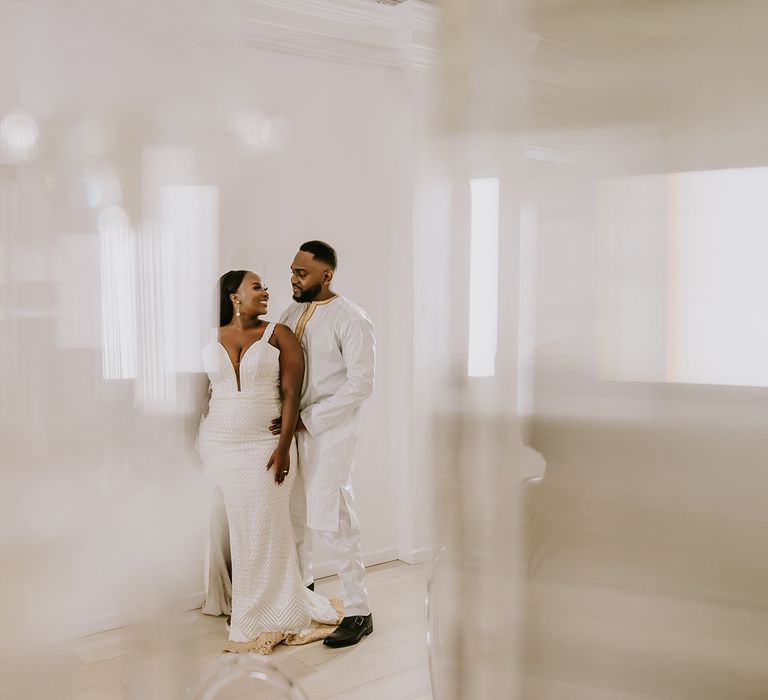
(237, 312)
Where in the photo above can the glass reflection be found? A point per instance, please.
(19, 134)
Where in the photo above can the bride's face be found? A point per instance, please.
(252, 296)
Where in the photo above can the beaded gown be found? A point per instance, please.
(269, 601)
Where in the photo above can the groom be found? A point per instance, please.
(337, 338)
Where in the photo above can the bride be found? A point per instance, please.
(256, 369)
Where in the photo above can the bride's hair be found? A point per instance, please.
(229, 283)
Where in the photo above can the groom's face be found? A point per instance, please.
(308, 276)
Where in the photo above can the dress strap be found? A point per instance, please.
(268, 332)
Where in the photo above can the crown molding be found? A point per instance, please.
(419, 57)
(353, 11)
(349, 31)
(426, 17)
(285, 39)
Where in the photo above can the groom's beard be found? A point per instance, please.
(308, 294)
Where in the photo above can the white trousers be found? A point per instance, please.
(342, 545)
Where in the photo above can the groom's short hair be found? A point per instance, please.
(321, 251)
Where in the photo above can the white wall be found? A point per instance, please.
(148, 97)
(338, 180)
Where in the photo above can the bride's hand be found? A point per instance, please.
(281, 461)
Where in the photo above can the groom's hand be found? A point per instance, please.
(276, 425)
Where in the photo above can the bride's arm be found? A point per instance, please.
(291, 379)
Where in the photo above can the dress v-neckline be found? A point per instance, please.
(236, 370)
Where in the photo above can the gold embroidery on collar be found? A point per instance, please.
(307, 314)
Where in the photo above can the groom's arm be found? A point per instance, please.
(359, 353)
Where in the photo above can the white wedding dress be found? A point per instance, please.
(269, 601)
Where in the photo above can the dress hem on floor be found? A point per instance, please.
(266, 642)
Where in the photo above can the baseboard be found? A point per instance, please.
(326, 568)
(417, 556)
(111, 621)
(94, 625)
(193, 601)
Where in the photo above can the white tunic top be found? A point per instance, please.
(339, 350)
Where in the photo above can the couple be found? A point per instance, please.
(305, 377)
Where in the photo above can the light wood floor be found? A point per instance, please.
(390, 664)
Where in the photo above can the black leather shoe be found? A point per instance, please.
(350, 631)
(311, 586)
